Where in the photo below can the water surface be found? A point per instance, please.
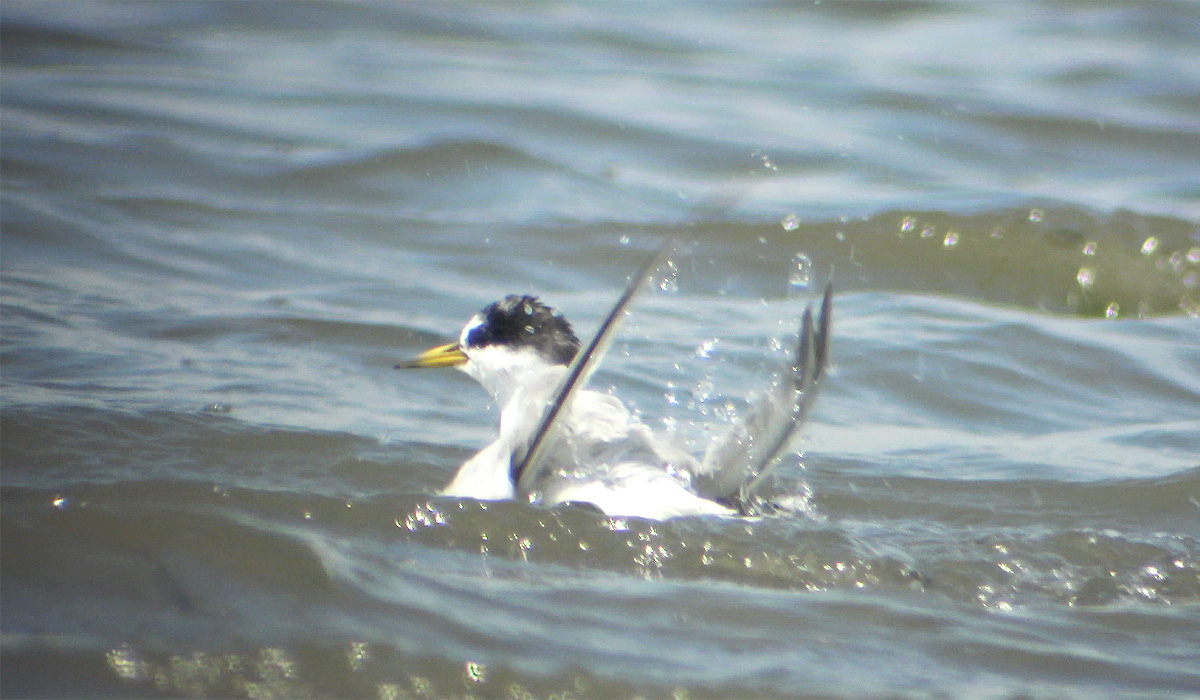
(224, 223)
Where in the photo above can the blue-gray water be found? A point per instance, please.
(224, 223)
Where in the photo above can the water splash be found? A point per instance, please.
(800, 275)
(670, 395)
(670, 279)
(766, 160)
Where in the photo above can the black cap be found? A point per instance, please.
(523, 321)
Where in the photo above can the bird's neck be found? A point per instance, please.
(506, 374)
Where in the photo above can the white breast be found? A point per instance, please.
(604, 456)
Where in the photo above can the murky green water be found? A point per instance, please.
(222, 224)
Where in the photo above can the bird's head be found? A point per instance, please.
(505, 345)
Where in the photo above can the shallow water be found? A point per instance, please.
(224, 223)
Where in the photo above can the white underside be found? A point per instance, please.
(636, 490)
(604, 456)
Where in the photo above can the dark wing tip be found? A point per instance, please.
(804, 368)
(824, 324)
(812, 354)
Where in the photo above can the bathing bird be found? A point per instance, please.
(560, 442)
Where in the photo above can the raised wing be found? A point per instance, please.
(736, 463)
(528, 464)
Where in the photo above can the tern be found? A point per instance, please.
(562, 443)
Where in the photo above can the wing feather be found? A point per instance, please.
(527, 463)
(736, 463)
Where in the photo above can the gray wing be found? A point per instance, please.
(737, 461)
(528, 464)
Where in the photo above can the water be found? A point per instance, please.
(224, 223)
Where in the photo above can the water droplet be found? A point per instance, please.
(126, 663)
(928, 232)
(1086, 277)
(1037, 216)
(61, 502)
(1089, 249)
(623, 240)
(358, 655)
(1150, 245)
(1113, 310)
(474, 672)
(705, 349)
(791, 222)
(1193, 256)
(670, 279)
(907, 224)
(951, 239)
(801, 272)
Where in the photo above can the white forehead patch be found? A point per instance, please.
(475, 322)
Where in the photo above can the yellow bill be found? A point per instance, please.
(448, 355)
